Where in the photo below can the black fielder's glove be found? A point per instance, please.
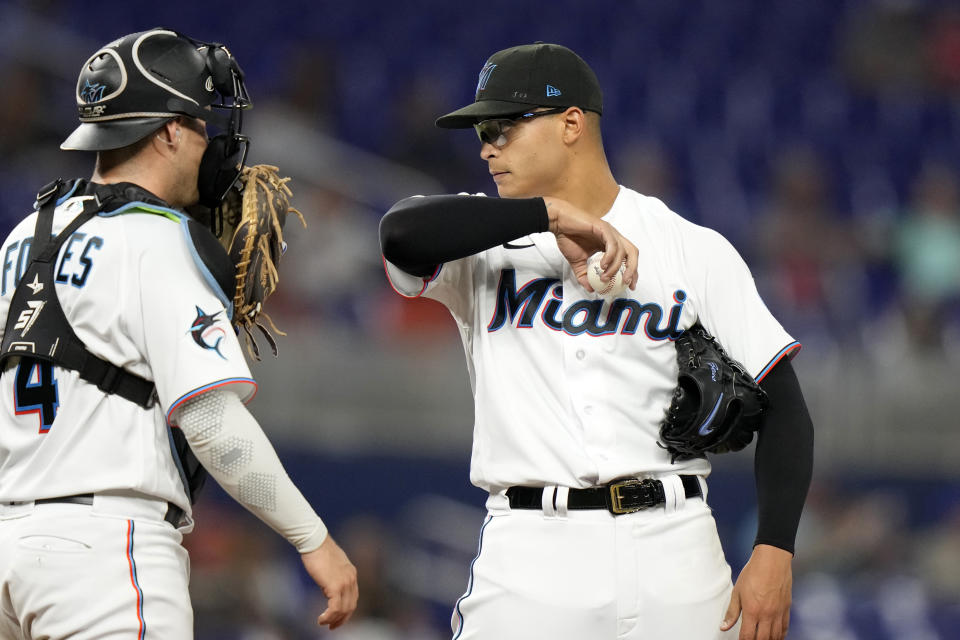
(716, 406)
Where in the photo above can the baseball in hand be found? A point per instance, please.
(612, 287)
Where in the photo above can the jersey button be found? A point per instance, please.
(581, 354)
(588, 409)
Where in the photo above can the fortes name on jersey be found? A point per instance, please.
(76, 261)
(541, 300)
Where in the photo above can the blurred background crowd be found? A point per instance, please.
(822, 137)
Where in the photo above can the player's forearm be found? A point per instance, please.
(419, 233)
(783, 461)
(232, 447)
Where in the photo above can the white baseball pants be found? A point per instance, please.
(657, 574)
(73, 571)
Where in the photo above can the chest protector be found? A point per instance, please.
(36, 325)
(37, 330)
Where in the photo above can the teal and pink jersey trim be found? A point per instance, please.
(214, 385)
(426, 281)
(789, 351)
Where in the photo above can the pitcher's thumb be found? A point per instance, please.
(733, 612)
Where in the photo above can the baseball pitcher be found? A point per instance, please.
(596, 405)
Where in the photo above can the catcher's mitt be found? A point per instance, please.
(716, 406)
(254, 212)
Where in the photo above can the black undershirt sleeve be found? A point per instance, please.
(783, 462)
(418, 234)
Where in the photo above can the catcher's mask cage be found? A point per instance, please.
(132, 86)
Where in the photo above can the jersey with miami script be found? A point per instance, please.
(570, 387)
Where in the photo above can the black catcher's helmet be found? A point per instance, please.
(133, 85)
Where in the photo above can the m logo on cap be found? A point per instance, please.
(485, 77)
(92, 92)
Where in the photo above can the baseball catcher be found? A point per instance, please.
(123, 381)
(716, 406)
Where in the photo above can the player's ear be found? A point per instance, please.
(574, 124)
(169, 134)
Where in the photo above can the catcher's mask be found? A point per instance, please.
(132, 86)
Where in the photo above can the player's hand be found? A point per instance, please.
(762, 594)
(337, 577)
(580, 235)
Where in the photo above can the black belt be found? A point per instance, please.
(173, 515)
(624, 496)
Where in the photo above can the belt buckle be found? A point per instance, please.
(645, 490)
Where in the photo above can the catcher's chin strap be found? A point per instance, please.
(36, 326)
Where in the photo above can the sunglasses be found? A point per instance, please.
(495, 131)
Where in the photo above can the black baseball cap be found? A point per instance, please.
(531, 75)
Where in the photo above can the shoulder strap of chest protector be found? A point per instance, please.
(36, 325)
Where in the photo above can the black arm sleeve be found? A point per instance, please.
(417, 234)
(783, 462)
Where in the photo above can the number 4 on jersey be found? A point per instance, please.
(36, 391)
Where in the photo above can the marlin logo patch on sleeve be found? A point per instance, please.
(206, 332)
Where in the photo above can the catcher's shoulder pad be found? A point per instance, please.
(212, 260)
(204, 247)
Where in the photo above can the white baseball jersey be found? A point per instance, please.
(133, 293)
(570, 388)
